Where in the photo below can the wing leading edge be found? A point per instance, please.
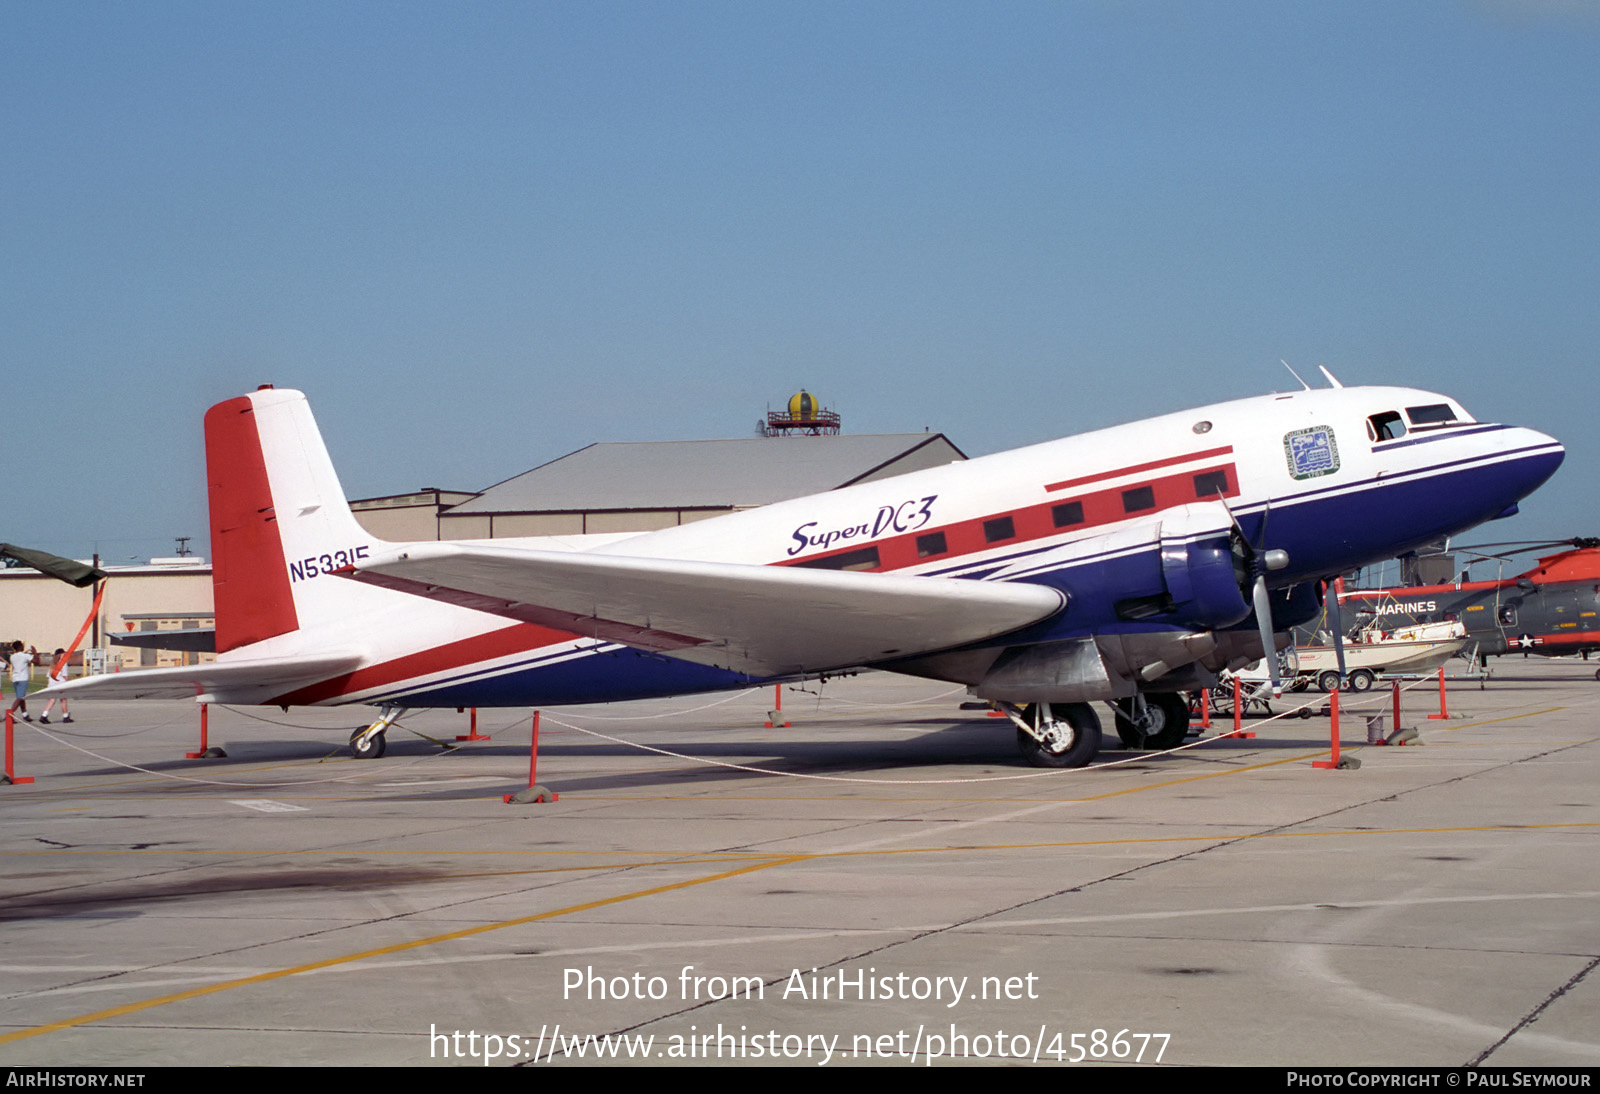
(760, 620)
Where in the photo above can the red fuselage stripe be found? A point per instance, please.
(1100, 507)
(1139, 468)
(518, 638)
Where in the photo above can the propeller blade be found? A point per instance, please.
(1269, 647)
(1331, 598)
(1237, 527)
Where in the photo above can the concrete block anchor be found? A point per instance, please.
(533, 795)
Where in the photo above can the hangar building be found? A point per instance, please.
(641, 486)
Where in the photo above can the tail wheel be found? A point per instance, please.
(1070, 732)
(370, 749)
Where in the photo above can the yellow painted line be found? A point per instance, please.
(1217, 837)
(401, 947)
(1491, 721)
(762, 860)
(1208, 775)
(786, 860)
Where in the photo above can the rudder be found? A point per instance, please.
(279, 520)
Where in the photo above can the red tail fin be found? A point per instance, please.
(249, 575)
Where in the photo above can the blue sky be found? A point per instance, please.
(482, 235)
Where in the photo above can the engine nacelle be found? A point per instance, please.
(1202, 571)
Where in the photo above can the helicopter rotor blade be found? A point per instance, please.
(1527, 546)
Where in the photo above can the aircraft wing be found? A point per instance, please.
(761, 620)
(242, 681)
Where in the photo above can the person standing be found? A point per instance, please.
(21, 670)
(57, 675)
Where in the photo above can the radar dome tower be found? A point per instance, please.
(805, 417)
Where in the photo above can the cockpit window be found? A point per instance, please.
(1385, 427)
(1433, 414)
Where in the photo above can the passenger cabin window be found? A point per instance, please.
(1067, 514)
(1210, 484)
(931, 544)
(1385, 427)
(998, 529)
(1138, 499)
(1435, 415)
(864, 559)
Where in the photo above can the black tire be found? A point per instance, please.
(372, 748)
(1171, 719)
(1328, 681)
(1080, 745)
(1362, 680)
(1175, 721)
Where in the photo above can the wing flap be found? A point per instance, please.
(761, 620)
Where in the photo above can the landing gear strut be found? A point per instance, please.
(372, 742)
(1057, 734)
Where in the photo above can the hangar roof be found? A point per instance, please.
(711, 474)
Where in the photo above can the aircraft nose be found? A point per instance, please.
(1536, 456)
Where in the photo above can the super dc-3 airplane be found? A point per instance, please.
(1125, 565)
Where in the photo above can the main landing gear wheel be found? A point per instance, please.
(1165, 723)
(1071, 733)
(370, 749)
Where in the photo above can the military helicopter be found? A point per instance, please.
(1551, 610)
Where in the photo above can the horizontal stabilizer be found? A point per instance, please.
(188, 640)
(256, 681)
(761, 620)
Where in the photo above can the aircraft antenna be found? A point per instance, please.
(1333, 381)
(1293, 373)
